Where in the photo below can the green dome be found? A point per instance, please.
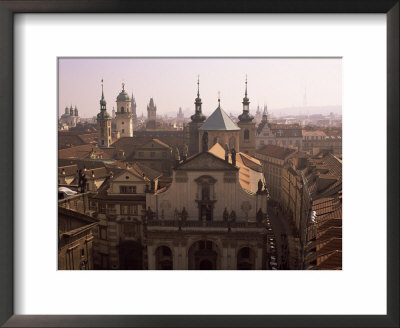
(123, 96)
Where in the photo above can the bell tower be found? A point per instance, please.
(197, 121)
(123, 115)
(104, 123)
(247, 140)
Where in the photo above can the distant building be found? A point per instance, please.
(180, 116)
(70, 117)
(283, 135)
(151, 115)
(315, 141)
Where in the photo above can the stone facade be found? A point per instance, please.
(75, 233)
(206, 220)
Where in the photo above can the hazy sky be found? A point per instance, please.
(279, 83)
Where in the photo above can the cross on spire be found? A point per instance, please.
(219, 98)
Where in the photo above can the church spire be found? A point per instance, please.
(102, 100)
(198, 86)
(265, 114)
(198, 115)
(246, 116)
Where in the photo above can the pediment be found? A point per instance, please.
(127, 176)
(205, 162)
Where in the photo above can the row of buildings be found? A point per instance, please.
(308, 189)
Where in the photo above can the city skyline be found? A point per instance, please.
(310, 82)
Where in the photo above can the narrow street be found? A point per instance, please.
(285, 241)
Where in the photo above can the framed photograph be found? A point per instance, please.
(185, 167)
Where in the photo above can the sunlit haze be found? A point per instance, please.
(286, 86)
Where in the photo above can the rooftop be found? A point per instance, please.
(219, 120)
(276, 151)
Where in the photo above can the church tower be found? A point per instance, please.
(247, 127)
(197, 121)
(151, 115)
(123, 115)
(134, 115)
(104, 123)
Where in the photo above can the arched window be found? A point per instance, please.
(122, 109)
(246, 135)
(245, 259)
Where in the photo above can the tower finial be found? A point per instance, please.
(102, 92)
(123, 86)
(245, 93)
(219, 98)
(198, 86)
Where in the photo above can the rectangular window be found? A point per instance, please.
(127, 189)
(152, 154)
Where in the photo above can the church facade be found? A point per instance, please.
(206, 219)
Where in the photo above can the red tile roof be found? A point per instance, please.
(276, 151)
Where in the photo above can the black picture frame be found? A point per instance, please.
(7, 11)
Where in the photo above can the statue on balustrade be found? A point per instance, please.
(225, 215)
(184, 214)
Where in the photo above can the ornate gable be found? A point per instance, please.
(205, 162)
